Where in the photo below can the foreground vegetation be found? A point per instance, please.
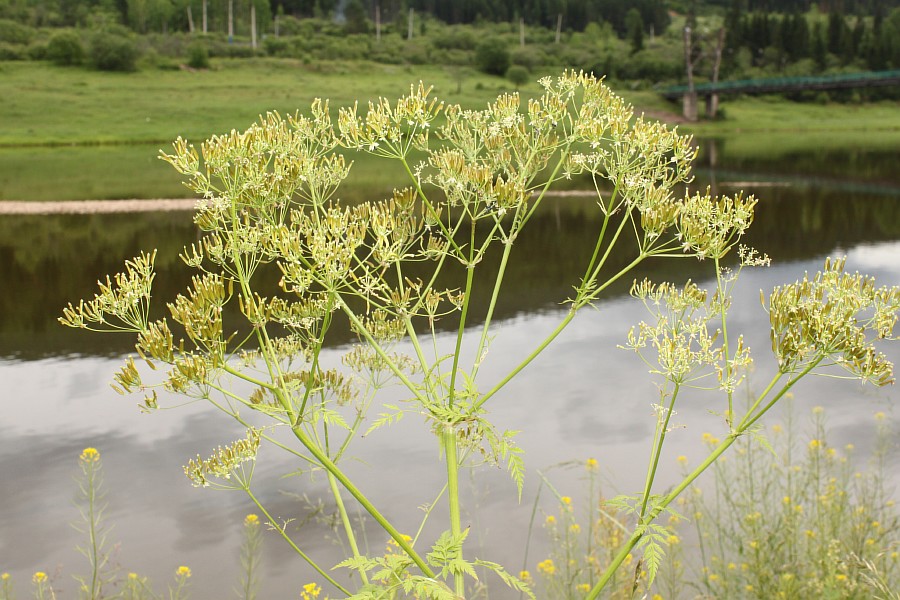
(390, 270)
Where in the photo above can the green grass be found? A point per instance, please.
(120, 121)
(48, 105)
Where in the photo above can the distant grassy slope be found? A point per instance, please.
(47, 105)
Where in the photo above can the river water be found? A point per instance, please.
(583, 398)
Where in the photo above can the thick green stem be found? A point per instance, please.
(361, 498)
(291, 543)
(348, 528)
(448, 438)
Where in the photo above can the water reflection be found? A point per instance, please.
(585, 398)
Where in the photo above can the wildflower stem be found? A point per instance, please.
(657, 452)
(449, 442)
(554, 334)
(348, 528)
(470, 278)
(287, 538)
(723, 306)
(361, 498)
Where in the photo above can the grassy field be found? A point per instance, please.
(98, 134)
(48, 105)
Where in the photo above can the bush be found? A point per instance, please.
(65, 48)
(198, 56)
(113, 52)
(15, 33)
(492, 56)
(518, 75)
(10, 52)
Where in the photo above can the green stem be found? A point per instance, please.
(745, 424)
(724, 313)
(657, 452)
(291, 543)
(448, 438)
(491, 306)
(348, 528)
(467, 300)
(555, 333)
(361, 498)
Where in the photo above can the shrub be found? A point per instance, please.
(65, 48)
(14, 33)
(518, 75)
(113, 52)
(492, 56)
(198, 56)
(11, 52)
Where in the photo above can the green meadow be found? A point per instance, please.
(98, 134)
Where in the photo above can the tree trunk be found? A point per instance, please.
(190, 17)
(558, 26)
(378, 22)
(690, 97)
(230, 21)
(253, 26)
(204, 15)
(409, 27)
(522, 31)
(712, 101)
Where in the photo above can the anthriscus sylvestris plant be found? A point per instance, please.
(268, 204)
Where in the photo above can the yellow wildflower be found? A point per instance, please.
(39, 577)
(682, 459)
(713, 578)
(672, 540)
(132, 576)
(251, 519)
(183, 572)
(818, 410)
(566, 500)
(628, 560)
(4, 576)
(732, 566)
(575, 528)
(748, 587)
(310, 591)
(90, 455)
(880, 416)
(840, 577)
(583, 588)
(591, 464)
(777, 429)
(546, 567)
(550, 520)
(525, 576)
(814, 444)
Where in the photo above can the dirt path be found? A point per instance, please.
(83, 207)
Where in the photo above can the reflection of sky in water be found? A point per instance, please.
(583, 398)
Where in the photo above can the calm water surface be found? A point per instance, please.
(582, 399)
